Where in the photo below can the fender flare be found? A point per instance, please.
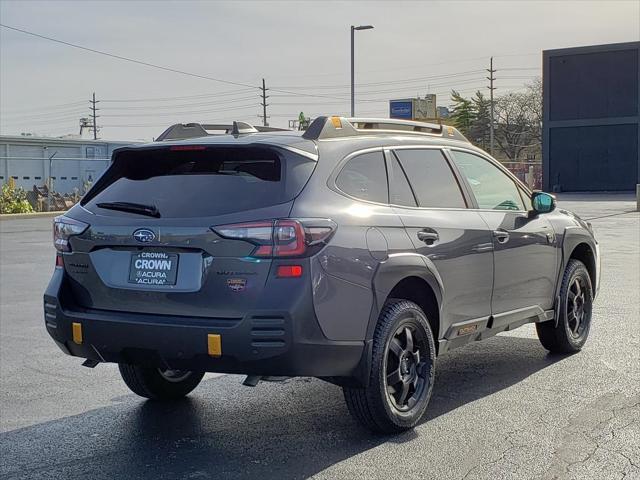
(386, 276)
(395, 269)
(571, 238)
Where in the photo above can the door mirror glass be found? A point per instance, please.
(542, 202)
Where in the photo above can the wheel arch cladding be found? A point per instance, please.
(419, 291)
(583, 252)
(408, 276)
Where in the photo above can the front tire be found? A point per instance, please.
(159, 384)
(568, 333)
(402, 371)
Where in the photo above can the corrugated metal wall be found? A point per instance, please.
(591, 118)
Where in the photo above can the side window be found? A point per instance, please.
(491, 187)
(399, 190)
(365, 177)
(431, 177)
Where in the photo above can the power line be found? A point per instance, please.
(166, 99)
(126, 59)
(40, 115)
(182, 72)
(42, 121)
(392, 82)
(413, 67)
(152, 65)
(188, 112)
(199, 104)
(49, 107)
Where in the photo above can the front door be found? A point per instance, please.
(525, 263)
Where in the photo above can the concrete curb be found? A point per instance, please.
(18, 216)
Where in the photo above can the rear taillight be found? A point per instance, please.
(281, 238)
(65, 228)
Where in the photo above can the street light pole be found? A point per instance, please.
(353, 74)
(353, 101)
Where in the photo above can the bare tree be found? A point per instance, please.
(518, 121)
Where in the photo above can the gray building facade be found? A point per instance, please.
(73, 161)
(591, 118)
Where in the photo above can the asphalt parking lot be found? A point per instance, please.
(502, 408)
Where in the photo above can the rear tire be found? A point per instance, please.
(568, 333)
(402, 371)
(159, 384)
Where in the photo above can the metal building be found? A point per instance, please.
(591, 126)
(31, 160)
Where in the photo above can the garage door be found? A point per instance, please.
(595, 158)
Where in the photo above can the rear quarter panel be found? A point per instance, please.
(344, 270)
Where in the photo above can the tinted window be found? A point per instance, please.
(195, 183)
(492, 188)
(365, 177)
(399, 190)
(431, 177)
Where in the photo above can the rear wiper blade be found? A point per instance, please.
(148, 210)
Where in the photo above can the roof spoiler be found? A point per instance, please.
(183, 131)
(337, 127)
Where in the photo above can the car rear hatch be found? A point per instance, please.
(151, 245)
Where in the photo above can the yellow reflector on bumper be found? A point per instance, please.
(77, 332)
(215, 345)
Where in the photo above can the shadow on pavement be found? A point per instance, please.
(223, 430)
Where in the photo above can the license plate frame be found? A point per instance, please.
(153, 268)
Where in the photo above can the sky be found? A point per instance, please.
(301, 49)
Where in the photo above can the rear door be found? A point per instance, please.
(173, 262)
(524, 245)
(427, 197)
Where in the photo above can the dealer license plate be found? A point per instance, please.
(153, 268)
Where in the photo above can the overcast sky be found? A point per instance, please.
(298, 47)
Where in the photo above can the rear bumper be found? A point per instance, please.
(285, 342)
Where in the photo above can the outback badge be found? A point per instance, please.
(236, 284)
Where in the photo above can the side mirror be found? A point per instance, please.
(543, 202)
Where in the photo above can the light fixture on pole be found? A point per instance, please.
(353, 29)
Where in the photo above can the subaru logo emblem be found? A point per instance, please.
(143, 235)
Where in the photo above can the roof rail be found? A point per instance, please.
(183, 131)
(337, 127)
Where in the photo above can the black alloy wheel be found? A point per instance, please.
(405, 371)
(402, 371)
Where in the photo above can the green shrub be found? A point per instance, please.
(14, 200)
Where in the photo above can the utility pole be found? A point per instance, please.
(264, 104)
(93, 115)
(491, 79)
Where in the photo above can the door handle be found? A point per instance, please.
(428, 237)
(502, 236)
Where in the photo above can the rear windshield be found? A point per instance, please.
(197, 183)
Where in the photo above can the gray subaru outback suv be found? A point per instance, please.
(355, 252)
